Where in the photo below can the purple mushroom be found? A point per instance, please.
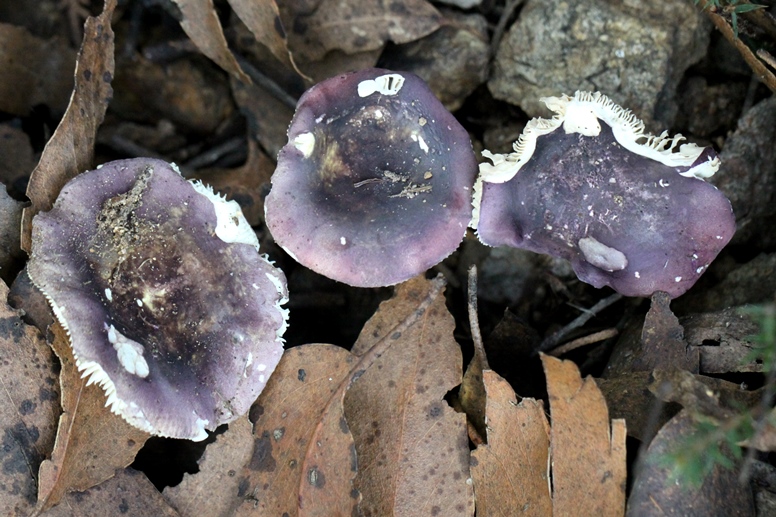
(167, 302)
(628, 209)
(375, 183)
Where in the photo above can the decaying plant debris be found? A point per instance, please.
(398, 400)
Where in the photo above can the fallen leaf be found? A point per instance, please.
(588, 450)
(91, 441)
(290, 410)
(71, 148)
(511, 471)
(35, 71)
(724, 339)
(304, 459)
(655, 493)
(262, 17)
(200, 23)
(662, 339)
(129, 494)
(212, 490)
(186, 93)
(716, 398)
(656, 341)
(355, 26)
(29, 406)
(628, 397)
(413, 451)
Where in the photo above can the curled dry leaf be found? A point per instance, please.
(200, 23)
(29, 405)
(91, 441)
(71, 148)
(413, 451)
(212, 490)
(129, 494)
(588, 450)
(262, 18)
(510, 472)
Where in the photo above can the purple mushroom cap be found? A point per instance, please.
(167, 302)
(375, 184)
(627, 209)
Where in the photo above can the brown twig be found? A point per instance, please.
(498, 32)
(757, 66)
(552, 340)
(595, 337)
(474, 321)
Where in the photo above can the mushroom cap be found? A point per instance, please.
(627, 209)
(375, 183)
(167, 302)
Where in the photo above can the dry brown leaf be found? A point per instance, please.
(290, 411)
(510, 472)
(91, 441)
(413, 451)
(35, 71)
(128, 494)
(588, 450)
(185, 92)
(355, 26)
(262, 18)
(212, 490)
(654, 493)
(724, 339)
(662, 339)
(628, 397)
(71, 148)
(29, 406)
(304, 459)
(200, 23)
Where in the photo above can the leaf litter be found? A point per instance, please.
(92, 443)
(350, 442)
(412, 447)
(28, 408)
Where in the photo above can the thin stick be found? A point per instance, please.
(552, 340)
(595, 337)
(757, 66)
(474, 321)
(498, 32)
